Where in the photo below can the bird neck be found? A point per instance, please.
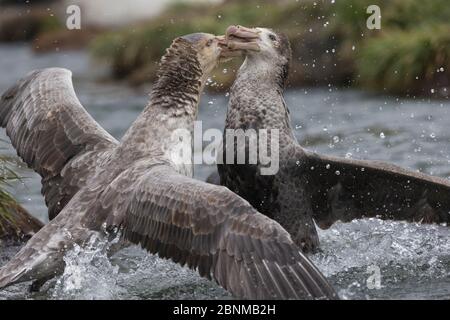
(176, 93)
(257, 94)
(267, 70)
(173, 104)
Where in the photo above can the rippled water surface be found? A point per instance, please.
(413, 260)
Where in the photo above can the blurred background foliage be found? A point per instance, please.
(330, 41)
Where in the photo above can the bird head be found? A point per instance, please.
(210, 49)
(263, 47)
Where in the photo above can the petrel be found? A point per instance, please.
(309, 187)
(96, 185)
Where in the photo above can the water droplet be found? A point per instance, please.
(382, 136)
(335, 139)
(348, 155)
(328, 166)
(337, 173)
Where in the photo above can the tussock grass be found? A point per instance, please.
(15, 222)
(407, 61)
(412, 43)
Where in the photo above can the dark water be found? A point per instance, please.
(414, 260)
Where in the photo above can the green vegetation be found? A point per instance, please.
(28, 25)
(408, 61)
(135, 52)
(15, 221)
(330, 41)
(409, 55)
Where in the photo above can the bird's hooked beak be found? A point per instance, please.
(239, 39)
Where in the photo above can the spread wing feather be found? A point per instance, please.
(213, 230)
(345, 189)
(53, 133)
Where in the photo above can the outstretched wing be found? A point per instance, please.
(53, 133)
(213, 230)
(345, 189)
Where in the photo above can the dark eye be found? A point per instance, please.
(272, 37)
(209, 42)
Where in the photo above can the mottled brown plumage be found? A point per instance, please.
(139, 186)
(309, 187)
(53, 133)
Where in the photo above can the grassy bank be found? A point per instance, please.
(135, 52)
(40, 25)
(410, 55)
(331, 43)
(23, 24)
(15, 222)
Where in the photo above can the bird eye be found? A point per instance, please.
(272, 37)
(209, 42)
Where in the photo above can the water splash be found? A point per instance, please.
(131, 273)
(148, 277)
(409, 256)
(88, 273)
